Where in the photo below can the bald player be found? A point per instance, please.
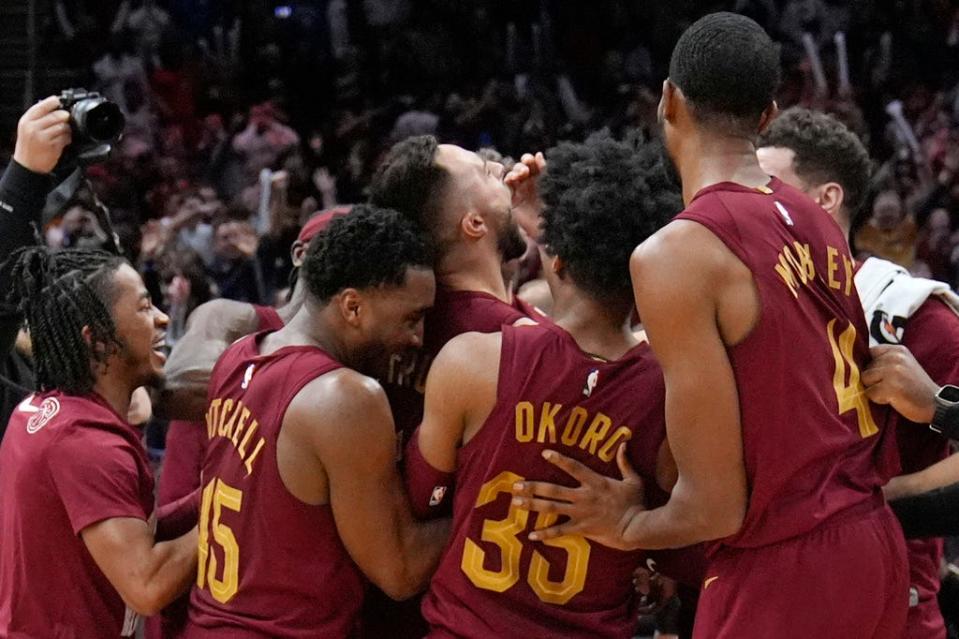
(749, 304)
(821, 157)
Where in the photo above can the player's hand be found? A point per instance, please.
(895, 377)
(600, 508)
(521, 180)
(42, 134)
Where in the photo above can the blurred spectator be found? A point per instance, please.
(264, 140)
(235, 269)
(890, 233)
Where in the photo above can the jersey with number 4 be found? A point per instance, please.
(269, 565)
(813, 444)
(492, 581)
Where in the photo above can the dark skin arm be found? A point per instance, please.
(354, 446)
(212, 328)
(693, 297)
(148, 575)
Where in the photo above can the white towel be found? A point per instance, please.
(890, 296)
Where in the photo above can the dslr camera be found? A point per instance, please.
(96, 123)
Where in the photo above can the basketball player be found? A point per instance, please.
(213, 326)
(821, 157)
(462, 200)
(76, 489)
(749, 304)
(301, 493)
(585, 384)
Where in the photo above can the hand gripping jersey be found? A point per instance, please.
(492, 581)
(269, 565)
(813, 445)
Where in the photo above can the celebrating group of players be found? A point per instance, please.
(542, 460)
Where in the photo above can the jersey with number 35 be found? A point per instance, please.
(492, 580)
(269, 565)
(813, 444)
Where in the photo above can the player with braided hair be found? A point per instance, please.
(73, 468)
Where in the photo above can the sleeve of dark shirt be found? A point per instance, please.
(932, 514)
(22, 196)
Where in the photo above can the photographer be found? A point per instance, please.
(42, 135)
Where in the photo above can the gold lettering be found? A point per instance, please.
(787, 276)
(256, 451)
(832, 267)
(574, 425)
(547, 423)
(807, 269)
(212, 414)
(608, 451)
(524, 422)
(847, 262)
(226, 429)
(596, 432)
(225, 410)
(794, 262)
(246, 438)
(240, 425)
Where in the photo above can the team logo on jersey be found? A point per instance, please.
(42, 414)
(591, 380)
(885, 329)
(247, 376)
(709, 582)
(784, 213)
(436, 498)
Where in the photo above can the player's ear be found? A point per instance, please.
(666, 112)
(769, 114)
(350, 306)
(297, 252)
(473, 225)
(831, 198)
(558, 266)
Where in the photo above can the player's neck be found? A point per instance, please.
(115, 390)
(310, 326)
(598, 329)
(705, 160)
(288, 310)
(460, 270)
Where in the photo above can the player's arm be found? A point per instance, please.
(212, 327)
(460, 393)
(678, 278)
(146, 574)
(354, 439)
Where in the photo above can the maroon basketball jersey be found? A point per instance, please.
(269, 565)
(492, 581)
(813, 445)
(453, 313)
(180, 476)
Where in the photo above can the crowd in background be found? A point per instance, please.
(241, 123)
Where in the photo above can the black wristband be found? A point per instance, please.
(945, 421)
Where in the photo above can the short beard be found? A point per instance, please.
(510, 242)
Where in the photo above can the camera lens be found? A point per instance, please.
(98, 119)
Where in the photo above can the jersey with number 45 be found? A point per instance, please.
(269, 565)
(813, 444)
(492, 581)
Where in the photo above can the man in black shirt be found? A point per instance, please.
(42, 134)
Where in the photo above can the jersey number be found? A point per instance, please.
(504, 534)
(851, 395)
(218, 495)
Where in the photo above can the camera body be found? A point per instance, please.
(96, 121)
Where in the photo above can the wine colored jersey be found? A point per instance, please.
(269, 565)
(66, 463)
(492, 581)
(813, 445)
(180, 476)
(932, 335)
(453, 313)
